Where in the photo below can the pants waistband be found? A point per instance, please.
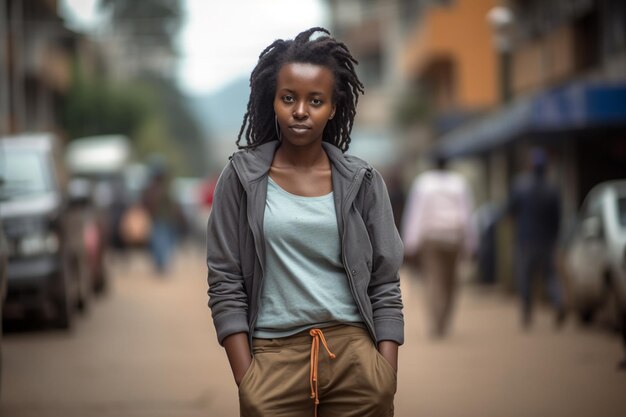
(304, 338)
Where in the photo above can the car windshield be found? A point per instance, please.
(23, 174)
(621, 211)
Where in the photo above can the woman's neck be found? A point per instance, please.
(311, 156)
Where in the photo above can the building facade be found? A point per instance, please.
(371, 31)
(562, 78)
(482, 81)
(36, 52)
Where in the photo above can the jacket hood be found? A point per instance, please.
(254, 163)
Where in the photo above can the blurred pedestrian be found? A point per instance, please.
(535, 204)
(438, 228)
(164, 212)
(485, 219)
(302, 247)
(622, 364)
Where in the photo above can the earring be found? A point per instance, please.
(277, 128)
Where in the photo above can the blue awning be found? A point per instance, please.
(575, 107)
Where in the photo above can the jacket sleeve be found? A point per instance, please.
(227, 296)
(384, 286)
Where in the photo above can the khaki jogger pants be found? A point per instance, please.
(358, 382)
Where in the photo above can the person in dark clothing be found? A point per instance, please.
(535, 205)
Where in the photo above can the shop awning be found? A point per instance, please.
(579, 107)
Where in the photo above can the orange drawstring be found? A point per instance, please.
(315, 349)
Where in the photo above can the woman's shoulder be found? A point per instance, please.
(354, 164)
(357, 161)
(228, 178)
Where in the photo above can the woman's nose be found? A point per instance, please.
(300, 111)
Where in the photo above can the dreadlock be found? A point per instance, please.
(258, 123)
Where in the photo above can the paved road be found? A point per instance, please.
(149, 349)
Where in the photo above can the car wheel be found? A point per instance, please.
(1, 337)
(65, 311)
(81, 275)
(614, 309)
(102, 283)
(621, 314)
(610, 314)
(585, 316)
(66, 298)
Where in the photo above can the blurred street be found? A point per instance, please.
(499, 127)
(148, 348)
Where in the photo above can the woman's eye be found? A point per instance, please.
(316, 102)
(288, 99)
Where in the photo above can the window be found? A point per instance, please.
(24, 174)
(621, 211)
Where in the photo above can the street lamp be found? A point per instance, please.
(501, 20)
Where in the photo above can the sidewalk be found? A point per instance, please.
(490, 367)
(149, 350)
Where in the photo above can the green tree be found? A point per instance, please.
(181, 126)
(95, 106)
(152, 26)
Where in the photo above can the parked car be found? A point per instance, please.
(104, 161)
(595, 260)
(46, 262)
(4, 256)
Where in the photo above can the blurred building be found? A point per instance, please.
(428, 66)
(451, 71)
(562, 73)
(559, 68)
(372, 31)
(481, 81)
(138, 38)
(36, 52)
(448, 55)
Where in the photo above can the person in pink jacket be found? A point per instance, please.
(437, 227)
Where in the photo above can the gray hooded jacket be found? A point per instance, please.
(371, 247)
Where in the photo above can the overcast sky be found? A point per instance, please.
(221, 39)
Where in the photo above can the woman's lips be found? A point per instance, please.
(299, 129)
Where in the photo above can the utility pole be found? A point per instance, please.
(17, 122)
(5, 87)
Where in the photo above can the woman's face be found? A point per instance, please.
(303, 102)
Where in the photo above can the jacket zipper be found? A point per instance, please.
(356, 183)
(257, 249)
(354, 187)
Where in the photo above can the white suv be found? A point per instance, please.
(596, 258)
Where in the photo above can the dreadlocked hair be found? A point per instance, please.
(258, 125)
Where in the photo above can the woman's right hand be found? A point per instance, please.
(238, 352)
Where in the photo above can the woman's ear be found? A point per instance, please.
(332, 113)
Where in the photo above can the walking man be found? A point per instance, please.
(536, 207)
(437, 227)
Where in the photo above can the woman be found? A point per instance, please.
(302, 247)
